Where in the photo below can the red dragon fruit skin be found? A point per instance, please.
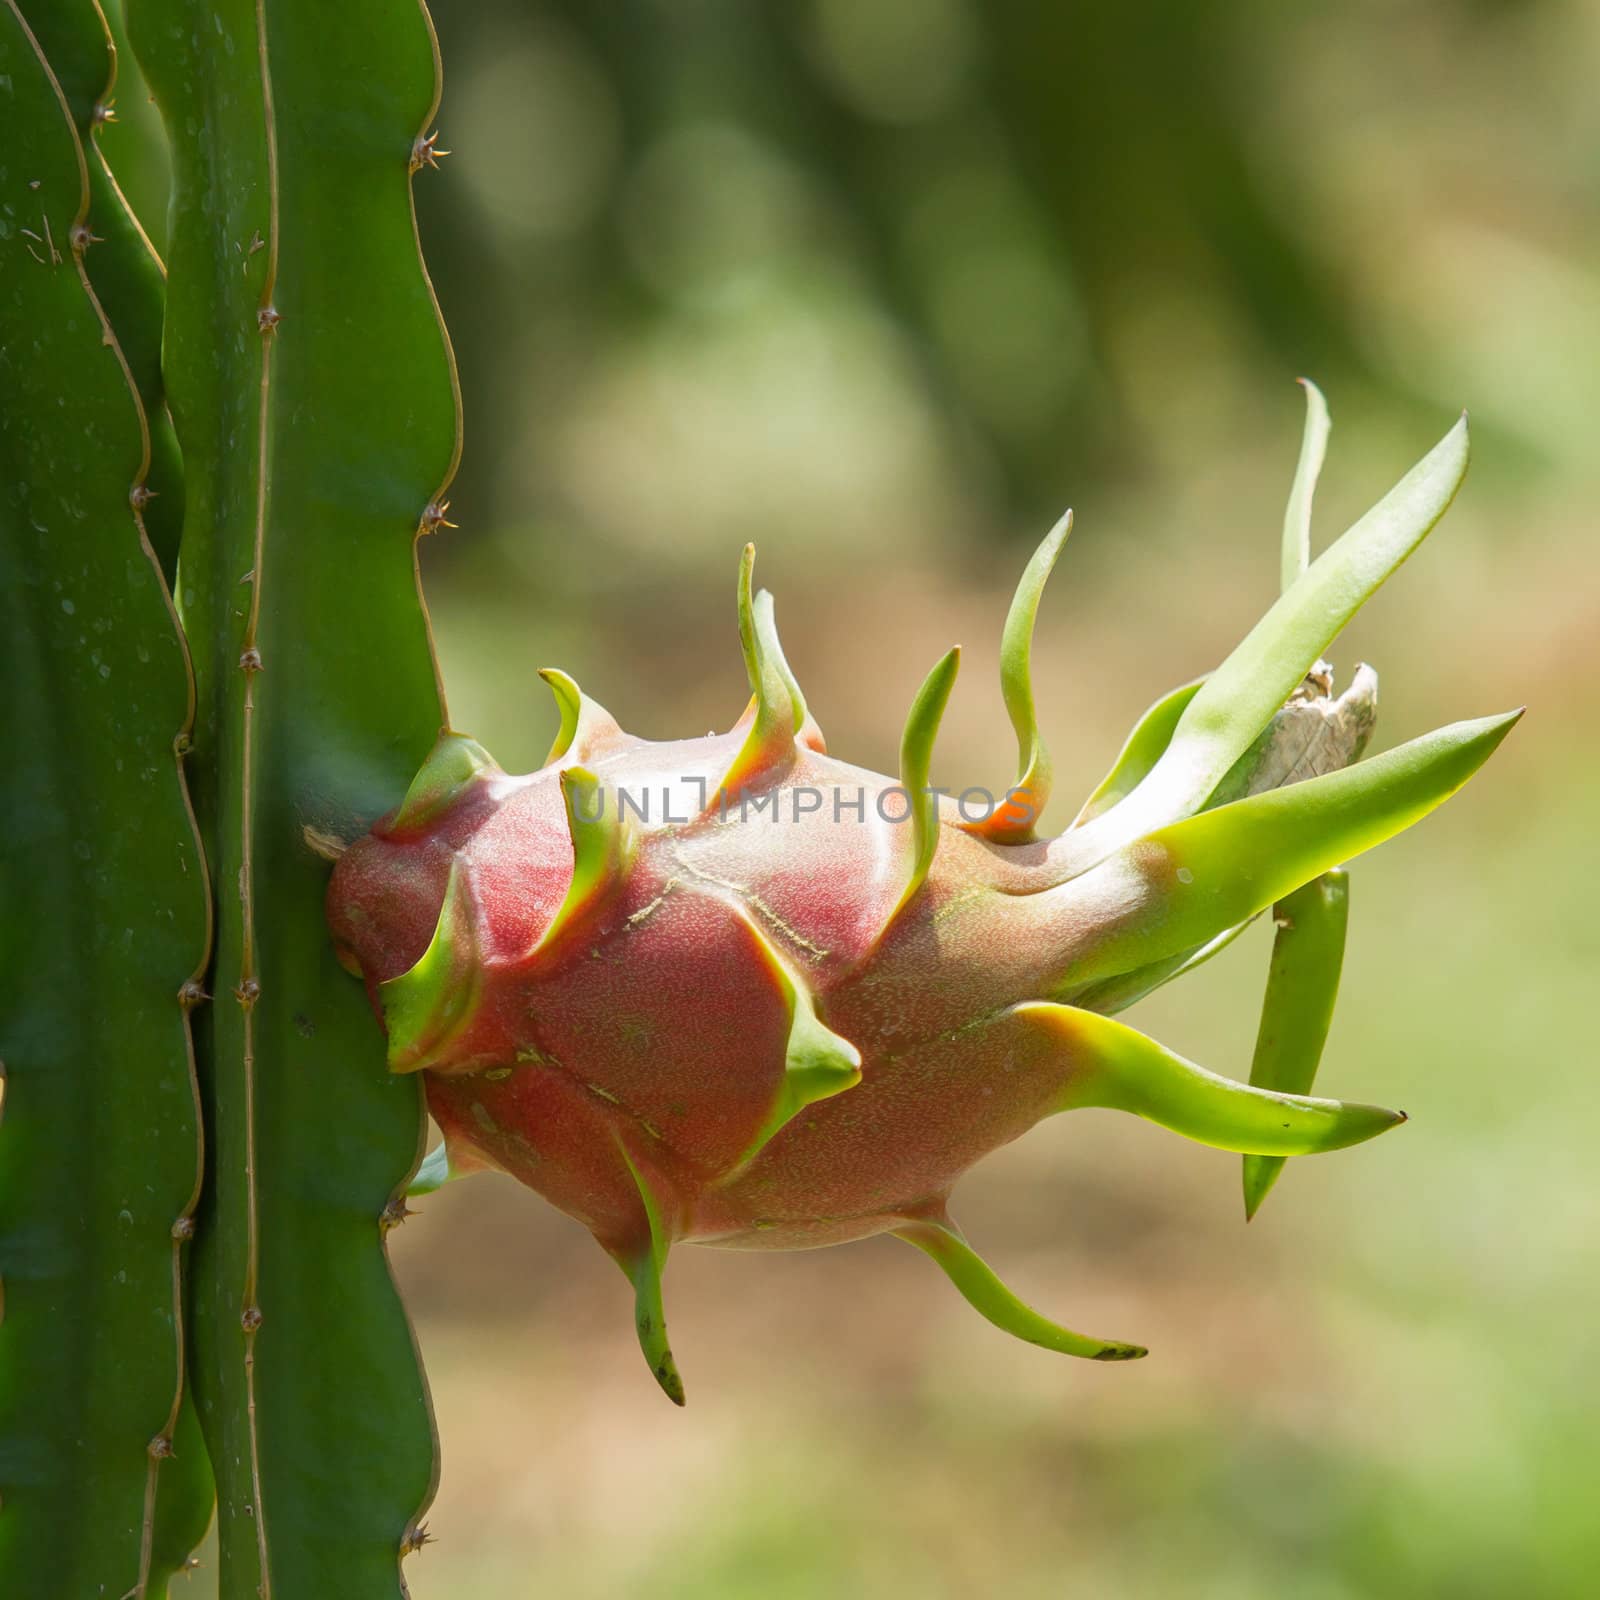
(735, 991)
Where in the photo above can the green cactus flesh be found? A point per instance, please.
(312, 392)
(735, 991)
(104, 1487)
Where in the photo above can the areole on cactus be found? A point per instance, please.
(738, 992)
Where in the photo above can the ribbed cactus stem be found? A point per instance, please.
(99, 1145)
(316, 401)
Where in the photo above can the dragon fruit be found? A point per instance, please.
(738, 992)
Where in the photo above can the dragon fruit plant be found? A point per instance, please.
(735, 991)
(730, 990)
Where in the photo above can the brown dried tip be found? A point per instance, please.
(327, 845)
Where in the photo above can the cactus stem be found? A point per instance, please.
(105, 111)
(190, 991)
(454, 462)
(249, 988)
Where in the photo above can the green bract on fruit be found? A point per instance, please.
(735, 991)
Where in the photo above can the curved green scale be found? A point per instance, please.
(916, 765)
(1111, 995)
(433, 1174)
(643, 1264)
(817, 1062)
(454, 764)
(587, 728)
(978, 1284)
(1238, 700)
(102, 1489)
(429, 1003)
(1144, 746)
(1119, 1068)
(603, 844)
(1297, 1009)
(313, 393)
(778, 709)
(1016, 822)
(1296, 554)
(767, 629)
(1308, 947)
(1179, 887)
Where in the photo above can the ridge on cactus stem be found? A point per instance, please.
(737, 992)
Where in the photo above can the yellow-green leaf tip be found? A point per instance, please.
(916, 762)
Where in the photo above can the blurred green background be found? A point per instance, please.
(884, 285)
